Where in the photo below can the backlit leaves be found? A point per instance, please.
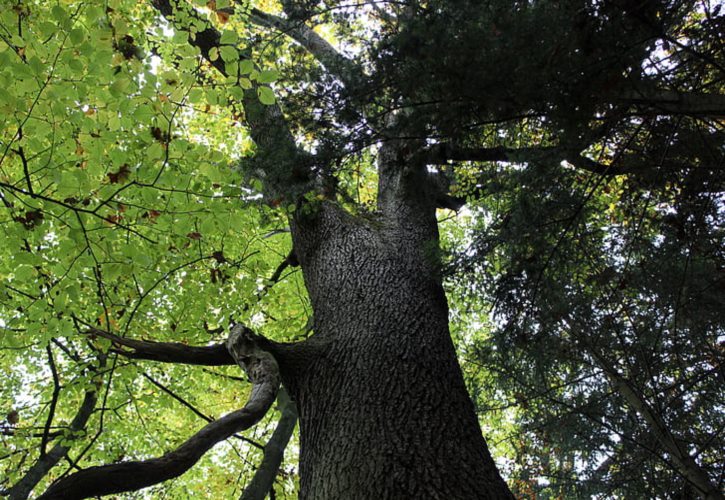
(120, 209)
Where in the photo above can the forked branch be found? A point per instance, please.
(261, 368)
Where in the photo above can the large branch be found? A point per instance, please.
(21, 490)
(168, 352)
(293, 358)
(336, 63)
(262, 369)
(677, 103)
(443, 153)
(264, 477)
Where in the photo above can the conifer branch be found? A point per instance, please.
(671, 102)
(443, 153)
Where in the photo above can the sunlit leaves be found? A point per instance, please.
(120, 208)
(266, 96)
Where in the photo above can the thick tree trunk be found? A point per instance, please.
(384, 412)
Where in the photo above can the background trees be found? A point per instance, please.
(586, 272)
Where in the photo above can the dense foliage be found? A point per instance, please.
(585, 273)
(606, 290)
(121, 211)
(598, 289)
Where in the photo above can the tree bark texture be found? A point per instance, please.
(384, 411)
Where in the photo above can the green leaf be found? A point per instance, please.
(196, 95)
(246, 67)
(228, 37)
(266, 95)
(268, 76)
(229, 54)
(77, 36)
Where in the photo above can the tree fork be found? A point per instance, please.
(262, 369)
(384, 411)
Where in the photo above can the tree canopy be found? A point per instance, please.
(152, 155)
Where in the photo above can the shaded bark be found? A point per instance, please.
(22, 489)
(384, 411)
(264, 477)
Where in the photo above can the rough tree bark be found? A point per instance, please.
(384, 412)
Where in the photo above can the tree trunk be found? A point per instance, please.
(384, 412)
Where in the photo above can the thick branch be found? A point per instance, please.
(678, 103)
(128, 476)
(342, 67)
(442, 153)
(40, 468)
(682, 460)
(292, 357)
(263, 479)
(168, 352)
